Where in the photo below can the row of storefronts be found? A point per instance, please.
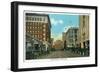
(35, 47)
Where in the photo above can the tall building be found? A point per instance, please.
(83, 31)
(39, 26)
(64, 38)
(71, 37)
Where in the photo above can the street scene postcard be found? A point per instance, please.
(56, 35)
(53, 36)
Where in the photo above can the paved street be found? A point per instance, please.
(59, 54)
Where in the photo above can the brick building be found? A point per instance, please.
(39, 27)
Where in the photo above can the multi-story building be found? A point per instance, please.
(64, 39)
(39, 27)
(83, 33)
(63, 36)
(71, 37)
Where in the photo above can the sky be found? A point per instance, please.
(61, 22)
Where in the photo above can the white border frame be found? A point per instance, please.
(63, 62)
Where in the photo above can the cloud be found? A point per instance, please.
(56, 22)
(60, 21)
(66, 28)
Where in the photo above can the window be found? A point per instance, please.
(36, 19)
(38, 36)
(71, 40)
(29, 18)
(40, 19)
(83, 36)
(35, 31)
(30, 27)
(44, 39)
(35, 35)
(44, 25)
(30, 24)
(44, 19)
(33, 19)
(33, 23)
(44, 30)
(44, 34)
(27, 27)
(26, 18)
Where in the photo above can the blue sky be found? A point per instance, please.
(61, 22)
